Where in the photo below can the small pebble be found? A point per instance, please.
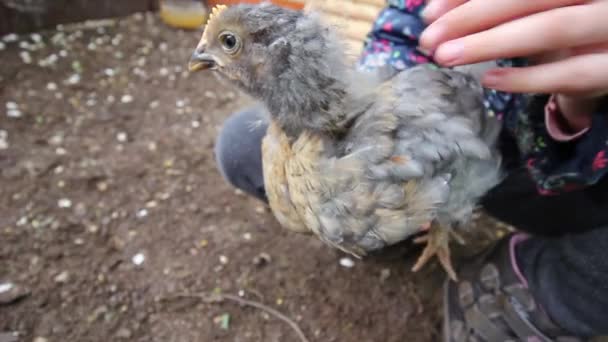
(109, 72)
(62, 277)
(14, 113)
(247, 236)
(347, 262)
(22, 221)
(385, 274)
(74, 79)
(52, 86)
(37, 38)
(138, 259)
(41, 339)
(25, 57)
(10, 38)
(141, 213)
(223, 259)
(196, 124)
(56, 139)
(64, 203)
(5, 287)
(2, 46)
(126, 99)
(241, 293)
(3, 139)
(122, 137)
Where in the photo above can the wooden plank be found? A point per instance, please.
(349, 9)
(351, 29)
(376, 3)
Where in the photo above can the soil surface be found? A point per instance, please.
(115, 224)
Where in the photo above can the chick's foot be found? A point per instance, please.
(437, 240)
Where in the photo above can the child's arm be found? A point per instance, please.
(563, 148)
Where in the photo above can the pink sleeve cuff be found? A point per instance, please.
(557, 125)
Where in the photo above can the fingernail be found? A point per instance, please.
(493, 78)
(430, 37)
(432, 10)
(450, 53)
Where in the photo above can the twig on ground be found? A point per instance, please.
(213, 298)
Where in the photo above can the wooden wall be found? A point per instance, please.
(353, 18)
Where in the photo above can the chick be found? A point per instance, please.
(361, 162)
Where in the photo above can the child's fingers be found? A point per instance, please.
(478, 15)
(586, 74)
(437, 8)
(551, 30)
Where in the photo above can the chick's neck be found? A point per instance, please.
(313, 90)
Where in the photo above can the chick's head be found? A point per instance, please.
(287, 59)
(245, 43)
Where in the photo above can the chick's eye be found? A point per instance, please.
(229, 42)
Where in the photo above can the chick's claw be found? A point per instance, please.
(437, 242)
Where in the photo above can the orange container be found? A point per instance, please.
(184, 14)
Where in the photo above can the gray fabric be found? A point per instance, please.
(238, 151)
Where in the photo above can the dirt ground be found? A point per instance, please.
(112, 212)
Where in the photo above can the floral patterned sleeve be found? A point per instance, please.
(556, 166)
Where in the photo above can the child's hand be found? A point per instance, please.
(566, 39)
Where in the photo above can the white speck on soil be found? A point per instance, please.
(126, 99)
(64, 203)
(142, 213)
(223, 259)
(25, 57)
(3, 139)
(347, 262)
(138, 259)
(10, 38)
(122, 137)
(5, 287)
(74, 79)
(62, 277)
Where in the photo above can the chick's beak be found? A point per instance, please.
(201, 61)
